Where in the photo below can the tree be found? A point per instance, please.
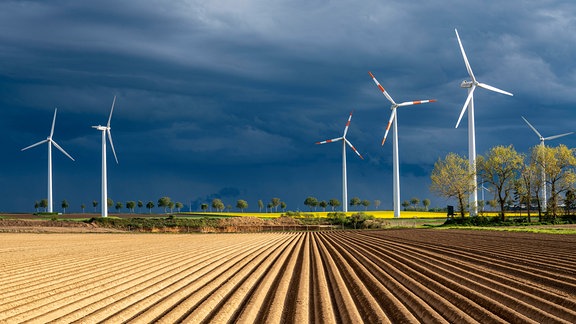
(36, 205)
(323, 204)
(569, 201)
(241, 204)
(311, 202)
(118, 206)
(451, 178)
(500, 167)
(365, 203)
(150, 205)
(377, 204)
(164, 202)
(558, 164)
(283, 206)
(140, 205)
(44, 204)
(426, 203)
(82, 206)
(179, 206)
(110, 203)
(275, 203)
(355, 201)
(528, 184)
(94, 204)
(171, 206)
(260, 205)
(217, 204)
(130, 205)
(414, 202)
(405, 204)
(334, 203)
(204, 207)
(64, 205)
(269, 207)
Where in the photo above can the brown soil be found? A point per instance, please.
(412, 275)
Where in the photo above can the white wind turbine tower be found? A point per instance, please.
(542, 139)
(344, 176)
(471, 85)
(50, 142)
(106, 130)
(394, 119)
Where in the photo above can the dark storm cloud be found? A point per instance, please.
(228, 94)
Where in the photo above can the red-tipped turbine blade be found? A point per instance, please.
(392, 115)
(353, 148)
(331, 140)
(382, 88)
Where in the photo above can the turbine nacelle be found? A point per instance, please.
(466, 84)
(101, 128)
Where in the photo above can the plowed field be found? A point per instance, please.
(394, 276)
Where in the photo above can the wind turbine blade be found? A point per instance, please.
(111, 111)
(470, 95)
(557, 136)
(31, 146)
(382, 89)
(53, 122)
(533, 128)
(465, 58)
(347, 125)
(62, 150)
(331, 140)
(415, 102)
(112, 144)
(354, 149)
(491, 88)
(392, 115)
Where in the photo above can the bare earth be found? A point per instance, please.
(411, 275)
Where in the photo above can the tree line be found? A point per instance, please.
(515, 179)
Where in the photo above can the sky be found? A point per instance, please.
(226, 99)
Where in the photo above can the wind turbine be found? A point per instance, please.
(50, 142)
(542, 139)
(106, 130)
(469, 103)
(394, 119)
(344, 143)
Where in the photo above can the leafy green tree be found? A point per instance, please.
(311, 202)
(118, 206)
(241, 204)
(204, 207)
(334, 203)
(150, 205)
(377, 204)
(269, 207)
(355, 201)
(323, 204)
(405, 204)
(217, 204)
(260, 205)
(365, 203)
(426, 203)
(130, 205)
(94, 204)
(558, 164)
(44, 204)
(275, 203)
(171, 206)
(164, 202)
(110, 203)
(451, 178)
(36, 205)
(414, 202)
(64, 205)
(178, 206)
(501, 167)
(83, 206)
(140, 205)
(283, 206)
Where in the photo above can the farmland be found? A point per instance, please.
(407, 275)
